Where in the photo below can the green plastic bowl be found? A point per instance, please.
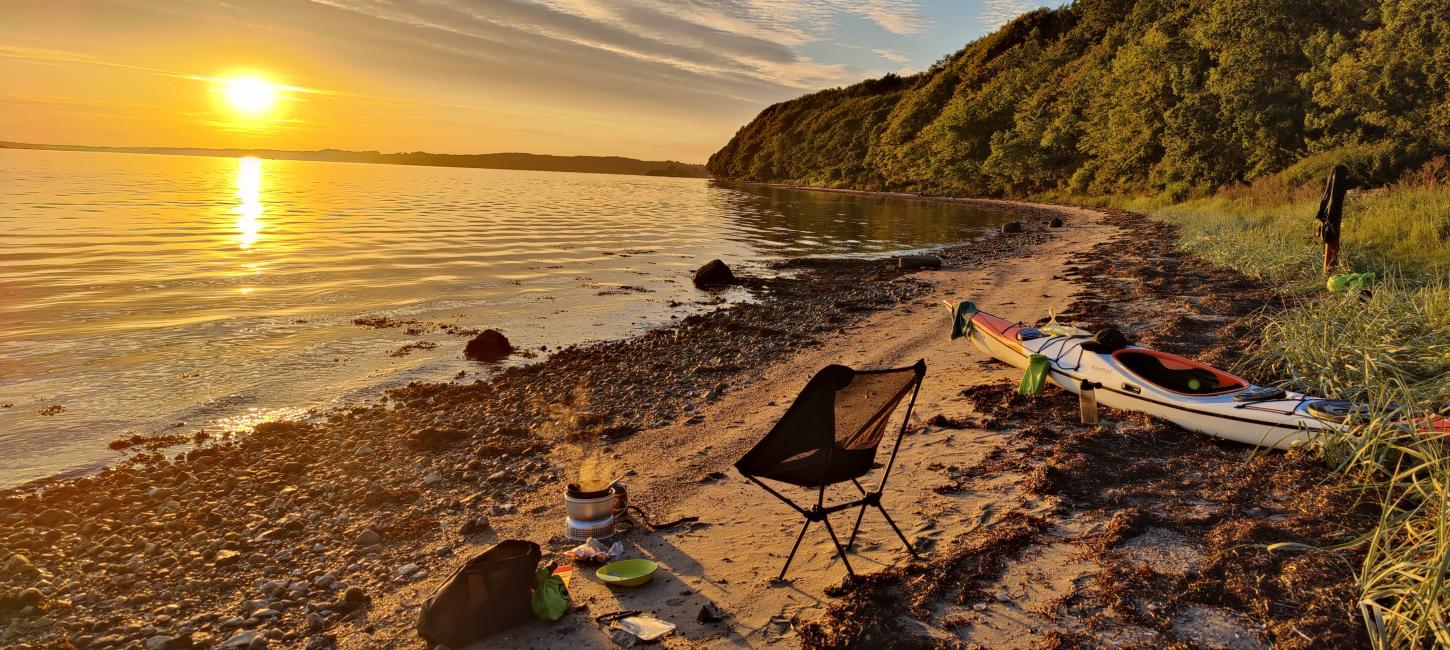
(627, 573)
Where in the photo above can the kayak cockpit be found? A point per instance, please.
(1177, 374)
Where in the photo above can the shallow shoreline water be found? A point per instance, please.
(168, 295)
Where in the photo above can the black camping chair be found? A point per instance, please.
(829, 436)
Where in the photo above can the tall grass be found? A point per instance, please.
(1391, 350)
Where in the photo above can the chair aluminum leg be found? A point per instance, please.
(904, 541)
(793, 550)
(854, 529)
(839, 550)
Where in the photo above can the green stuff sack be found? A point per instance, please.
(1355, 282)
(551, 597)
(1035, 377)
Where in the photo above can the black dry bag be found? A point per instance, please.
(1106, 341)
(486, 596)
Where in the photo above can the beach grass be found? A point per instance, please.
(1390, 349)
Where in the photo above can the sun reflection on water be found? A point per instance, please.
(249, 212)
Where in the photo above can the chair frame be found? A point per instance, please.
(821, 512)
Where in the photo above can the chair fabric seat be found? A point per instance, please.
(809, 469)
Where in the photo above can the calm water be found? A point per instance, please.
(140, 292)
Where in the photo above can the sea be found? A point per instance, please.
(149, 294)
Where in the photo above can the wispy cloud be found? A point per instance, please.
(37, 55)
(896, 16)
(996, 13)
(892, 55)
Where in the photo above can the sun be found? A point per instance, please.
(250, 96)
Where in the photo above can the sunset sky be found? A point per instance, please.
(654, 80)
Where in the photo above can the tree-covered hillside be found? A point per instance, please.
(1131, 96)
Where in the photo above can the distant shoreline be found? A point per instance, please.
(517, 161)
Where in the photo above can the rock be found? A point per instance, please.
(476, 525)
(435, 438)
(367, 538)
(431, 478)
(30, 597)
(498, 477)
(1012, 227)
(355, 595)
(244, 639)
(918, 262)
(708, 614)
(315, 622)
(158, 642)
(407, 569)
(21, 566)
(714, 274)
(51, 517)
(491, 345)
(1055, 223)
(227, 558)
(321, 642)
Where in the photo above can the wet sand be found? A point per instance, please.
(1034, 530)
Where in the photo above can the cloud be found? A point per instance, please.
(649, 33)
(996, 13)
(782, 21)
(892, 55)
(60, 57)
(681, 64)
(900, 17)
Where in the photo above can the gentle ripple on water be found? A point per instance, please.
(138, 291)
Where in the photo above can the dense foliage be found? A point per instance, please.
(1131, 96)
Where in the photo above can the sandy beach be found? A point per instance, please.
(1035, 530)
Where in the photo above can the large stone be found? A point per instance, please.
(30, 597)
(367, 538)
(52, 517)
(918, 262)
(1055, 223)
(715, 274)
(242, 640)
(1012, 227)
(491, 345)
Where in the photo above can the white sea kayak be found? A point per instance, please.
(1190, 394)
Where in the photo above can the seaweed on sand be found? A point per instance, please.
(868, 614)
